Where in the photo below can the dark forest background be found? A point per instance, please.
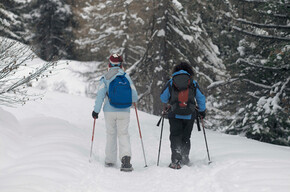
(239, 50)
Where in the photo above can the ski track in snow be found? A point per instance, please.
(45, 146)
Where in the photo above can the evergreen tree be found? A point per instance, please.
(11, 23)
(176, 35)
(107, 27)
(52, 23)
(112, 26)
(260, 70)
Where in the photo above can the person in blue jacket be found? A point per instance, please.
(181, 125)
(116, 119)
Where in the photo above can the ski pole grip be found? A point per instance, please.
(159, 121)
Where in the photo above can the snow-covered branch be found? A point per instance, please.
(286, 67)
(283, 16)
(221, 83)
(256, 1)
(260, 36)
(263, 25)
(284, 86)
(17, 69)
(257, 84)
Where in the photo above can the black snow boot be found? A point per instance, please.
(175, 165)
(126, 166)
(185, 160)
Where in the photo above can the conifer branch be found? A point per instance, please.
(261, 25)
(286, 67)
(260, 36)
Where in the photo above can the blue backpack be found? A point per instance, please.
(120, 93)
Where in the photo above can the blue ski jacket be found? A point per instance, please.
(200, 98)
(103, 89)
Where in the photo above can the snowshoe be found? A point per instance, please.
(175, 165)
(126, 166)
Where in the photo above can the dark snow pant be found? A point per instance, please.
(180, 132)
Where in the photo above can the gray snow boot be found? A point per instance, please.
(126, 166)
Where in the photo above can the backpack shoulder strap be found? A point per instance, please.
(194, 86)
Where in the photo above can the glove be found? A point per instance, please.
(95, 115)
(202, 114)
(165, 111)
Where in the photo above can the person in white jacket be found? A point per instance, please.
(117, 119)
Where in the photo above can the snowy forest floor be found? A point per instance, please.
(45, 146)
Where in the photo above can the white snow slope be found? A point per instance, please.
(45, 145)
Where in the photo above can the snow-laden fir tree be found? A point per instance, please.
(259, 87)
(264, 63)
(177, 34)
(51, 24)
(11, 23)
(112, 26)
(107, 27)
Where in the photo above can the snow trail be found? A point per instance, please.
(45, 146)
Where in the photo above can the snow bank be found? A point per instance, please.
(67, 77)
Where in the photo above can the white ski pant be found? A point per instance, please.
(117, 124)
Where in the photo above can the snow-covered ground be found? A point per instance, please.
(45, 145)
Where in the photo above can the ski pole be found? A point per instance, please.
(165, 111)
(92, 140)
(160, 139)
(197, 120)
(159, 121)
(140, 135)
(209, 161)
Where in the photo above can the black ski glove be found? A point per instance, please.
(202, 114)
(95, 115)
(165, 111)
